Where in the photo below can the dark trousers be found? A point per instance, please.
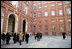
(27, 40)
(20, 42)
(7, 41)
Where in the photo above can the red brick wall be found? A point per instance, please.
(7, 8)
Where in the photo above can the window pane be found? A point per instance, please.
(53, 4)
(53, 12)
(67, 2)
(68, 10)
(39, 28)
(34, 14)
(25, 10)
(45, 1)
(15, 3)
(53, 28)
(60, 12)
(39, 2)
(39, 7)
(39, 14)
(59, 3)
(45, 5)
(46, 28)
(46, 13)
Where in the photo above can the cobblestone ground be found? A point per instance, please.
(45, 42)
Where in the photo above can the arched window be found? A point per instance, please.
(15, 3)
(25, 9)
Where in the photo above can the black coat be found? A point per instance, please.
(64, 34)
(14, 36)
(3, 36)
(27, 36)
(17, 37)
(7, 36)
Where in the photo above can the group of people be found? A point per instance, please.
(20, 37)
(6, 37)
(38, 36)
(16, 38)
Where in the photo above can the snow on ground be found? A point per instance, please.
(45, 42)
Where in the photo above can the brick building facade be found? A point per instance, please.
(49, 17)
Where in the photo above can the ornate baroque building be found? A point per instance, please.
(49, 17)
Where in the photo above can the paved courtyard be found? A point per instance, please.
(45, 42)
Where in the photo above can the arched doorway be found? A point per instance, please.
(24, 27)
(11, 24)
(53, 30)
(34, 30)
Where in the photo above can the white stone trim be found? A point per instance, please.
(16, 22)
(2, 15)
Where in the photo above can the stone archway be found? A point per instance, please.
(24, 26)
(12, 23)
(2, 17)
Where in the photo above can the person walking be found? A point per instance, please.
(7, 38)
(64, 35)
(17, 38)
(26, 37)
(20, 38)
(14, 38)
(3, 38)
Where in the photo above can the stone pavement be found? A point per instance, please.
(45, 42)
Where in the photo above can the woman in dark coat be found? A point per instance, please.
(64, 35)
(3, 38)
(14, 37)
(26, 37)
(17, 37)
(7, 38)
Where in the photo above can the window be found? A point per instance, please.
(34, 3)
(53, 13)
(40, 28)
(40, 15)
(59, 3)
(45, 1)
(61, 20)
(53, 21)
(61, 28)
(68, 10)
(40, 7)
(39, 21)
(34, 8)
(25, 10)
(53, 4)
(53, 28)
(34, 14)
(15, 3)
(60, 12)
(46, 21)
(34, 28)
(67, 2)
(46, 13)
(46, 28)
(39, 2)
(69, 27)
(45, 5)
